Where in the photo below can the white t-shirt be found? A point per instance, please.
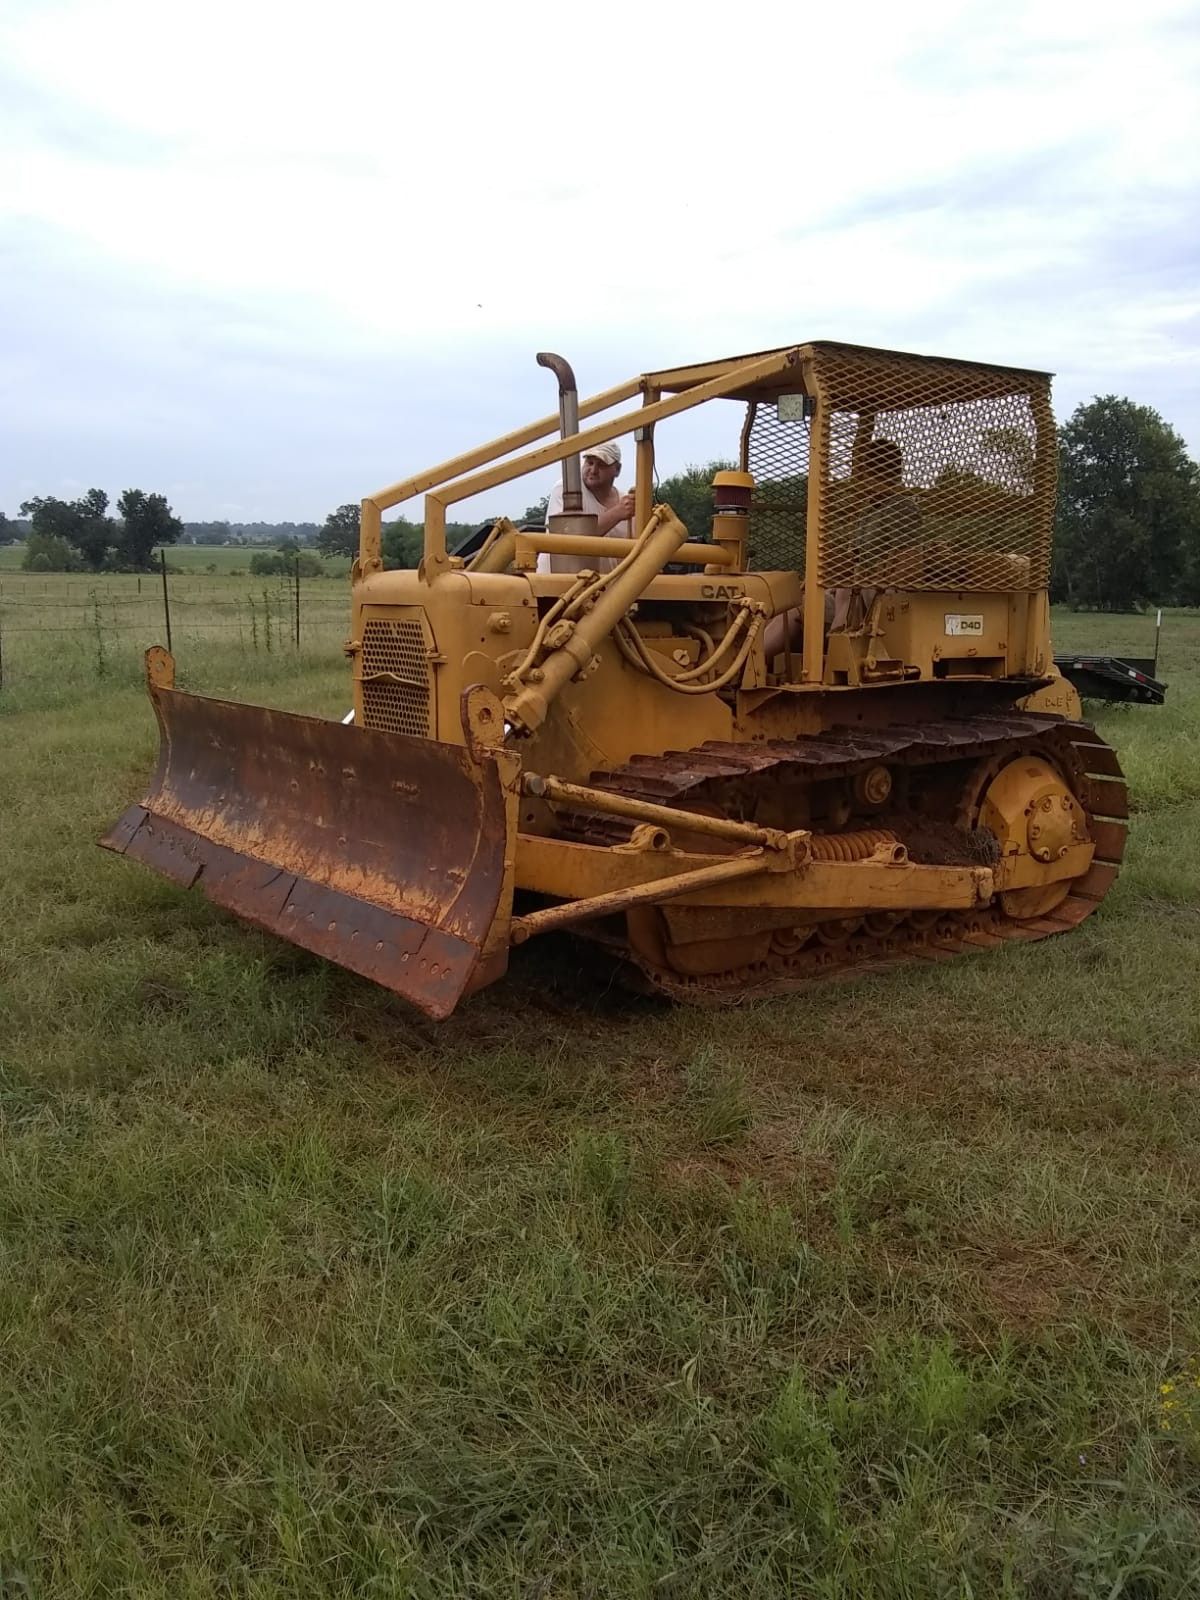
(620, 530)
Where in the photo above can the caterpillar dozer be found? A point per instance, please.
(822, 737)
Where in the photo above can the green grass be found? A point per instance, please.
(865, 1293)
(67, 639)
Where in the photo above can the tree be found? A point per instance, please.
(147, 521)
(48, 516)
(82, 523)
(339, 536)
(50, 552)
(403, 542)
(535, 514)
(94, 529)
(1128, 526)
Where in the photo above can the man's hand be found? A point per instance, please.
(613, 515)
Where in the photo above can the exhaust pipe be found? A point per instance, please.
(568, 419)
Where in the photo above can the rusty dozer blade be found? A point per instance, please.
(380, 851)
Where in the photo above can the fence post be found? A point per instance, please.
(162, 556)
(297, 600)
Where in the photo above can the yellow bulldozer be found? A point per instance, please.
(821, 737)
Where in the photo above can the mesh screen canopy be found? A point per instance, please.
(933, 474)
(777, 455)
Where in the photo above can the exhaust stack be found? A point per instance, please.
(572, 518)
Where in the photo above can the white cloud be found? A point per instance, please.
(298, 251)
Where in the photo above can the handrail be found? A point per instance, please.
(396, 493)
(370, 525)
(437, 501)
(582, 544)
(547, 455)
(440, 492)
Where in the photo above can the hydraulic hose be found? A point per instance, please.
(581, 585)
(578, 597)
(709, 662)
(631, 647)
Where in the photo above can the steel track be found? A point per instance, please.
(699, 776)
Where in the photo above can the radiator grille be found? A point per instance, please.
(396, 677)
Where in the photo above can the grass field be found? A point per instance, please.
(185, 558)
(64, 639)
(888, 1291)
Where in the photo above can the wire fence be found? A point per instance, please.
(272, 615)
(99, 629)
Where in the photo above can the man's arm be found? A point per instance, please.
(610, 516)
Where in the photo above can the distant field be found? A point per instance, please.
(886, 1292)
(199, 557)
(187, 557)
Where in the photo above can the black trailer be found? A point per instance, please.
(1111, 678)
(1127, 680)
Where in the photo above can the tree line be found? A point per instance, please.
(80, 536)
(403, 541)
(1127, 529)
(266, 533)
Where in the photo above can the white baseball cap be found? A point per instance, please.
(609, 453)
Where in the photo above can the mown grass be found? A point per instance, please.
(870, 1292)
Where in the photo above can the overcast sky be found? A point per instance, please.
(267, 258)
